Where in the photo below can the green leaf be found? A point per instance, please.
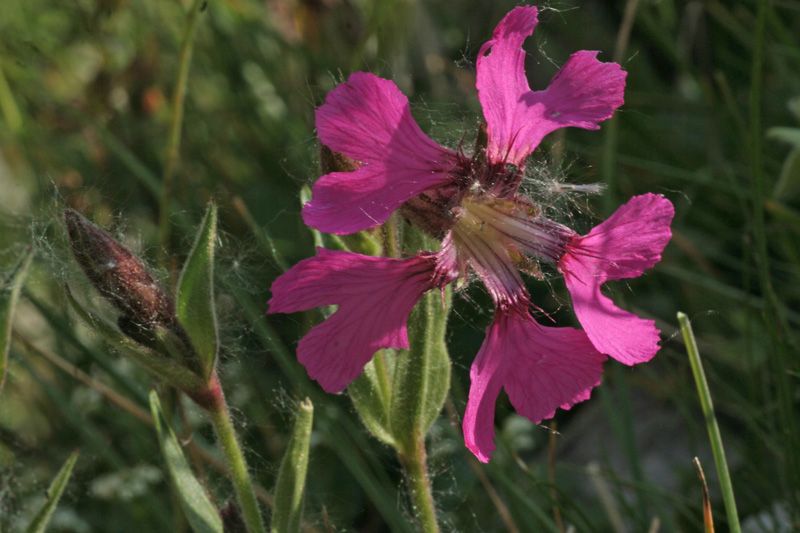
(288, 508)
(200, 512)
(788, 135)
(371, 393)
(196, 294)
(54, 493)
(305, 197)
(9, 294)
(788, 184)
(422, 373)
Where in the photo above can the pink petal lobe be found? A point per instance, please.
(625, 245)
(554, 368)
(374, 296)
(582, 94)
(620, 334)
(368, 119)
(541, 368)
(487, 375)
(631, 240)
(501, 82)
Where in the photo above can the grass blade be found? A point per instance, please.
(711, 423)
(9, 294)
(708, 518)
(54, 493)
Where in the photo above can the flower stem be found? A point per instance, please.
(415, 465)
(233, 453)
(711, 422)
(176, 120)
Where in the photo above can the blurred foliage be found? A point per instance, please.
(85, 104)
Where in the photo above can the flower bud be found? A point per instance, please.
(119, 275)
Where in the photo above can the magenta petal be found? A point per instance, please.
(374, 295)
(630, 241)
(553, 368)
(501, 82)
(620, 334)
(582, 94)
(541, 368)
(487, 375)
(368, 119)
(624, 246)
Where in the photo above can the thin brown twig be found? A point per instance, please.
(110, 394)
(708, 518)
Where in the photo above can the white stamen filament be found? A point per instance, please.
(505, 223)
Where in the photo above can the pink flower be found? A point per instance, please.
(473, 205)
(545, 368)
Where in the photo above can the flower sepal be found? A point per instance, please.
(170, 370)
(400, 393)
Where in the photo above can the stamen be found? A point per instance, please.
(514, 224)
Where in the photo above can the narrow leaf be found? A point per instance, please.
(712, 425)
(288, 509)
(788, 184)
(708, 517)
(787, 135)
(371, 395)
(9, 294)
(422, 373)
(54, 493)
(200, 512)
(196, 293)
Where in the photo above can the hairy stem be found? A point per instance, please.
(415, 466)
(221, 419)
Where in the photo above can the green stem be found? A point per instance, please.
(711, 423)
(233, 453)
(415, 465)
(8, 105)
(390, 238)
(774, 319)
(176, 120)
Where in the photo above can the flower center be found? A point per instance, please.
(496, 236)
(511, 224)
